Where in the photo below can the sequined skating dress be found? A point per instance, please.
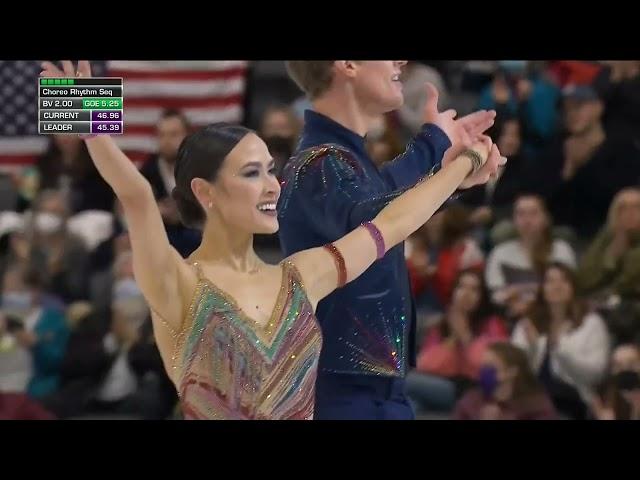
(229, 367)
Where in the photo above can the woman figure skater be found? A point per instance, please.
(238, 337)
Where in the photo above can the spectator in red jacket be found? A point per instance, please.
(451, 354)
(440, 251)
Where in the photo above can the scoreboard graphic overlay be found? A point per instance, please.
(80, 105)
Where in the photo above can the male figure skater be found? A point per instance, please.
(331, 186)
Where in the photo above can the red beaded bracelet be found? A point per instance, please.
(376, 234)
(340, 265)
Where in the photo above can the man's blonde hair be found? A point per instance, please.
(314, 77)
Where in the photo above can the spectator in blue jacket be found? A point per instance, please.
(38, 328)
(534, 100)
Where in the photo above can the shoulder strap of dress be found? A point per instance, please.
(198, 268)
(292, 270)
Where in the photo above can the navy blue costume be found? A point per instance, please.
(330, 187)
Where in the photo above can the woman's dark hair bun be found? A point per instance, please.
(201, 155)
(191, 212)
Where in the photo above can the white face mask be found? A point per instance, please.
(7, 343)
(126, 288)
(48, 223)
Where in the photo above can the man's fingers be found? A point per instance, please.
(477, 123)
(84, 67)
(51, 70)
(488, 143)
(479, 118)
(432, 98)
(68, 69)
(450, 113)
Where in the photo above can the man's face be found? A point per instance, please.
(171, 132)
(278, 123)
(580, 115)
(377, 85)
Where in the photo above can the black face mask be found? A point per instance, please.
(627, 380)
(280, 144)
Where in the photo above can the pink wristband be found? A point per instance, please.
(377, 238)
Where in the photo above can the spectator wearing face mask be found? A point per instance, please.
(618, 398)
(119, 276)
(280, 129)
(112, 366)
(508, 389)
(451, 354)
(49, 247)
(41, 330)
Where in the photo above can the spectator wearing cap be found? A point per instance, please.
(517, 91)
(583, 170)
(171, 130)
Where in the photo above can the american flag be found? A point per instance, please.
(206, 91)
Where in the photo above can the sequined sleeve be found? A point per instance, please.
(422, 156)
(332, 188)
